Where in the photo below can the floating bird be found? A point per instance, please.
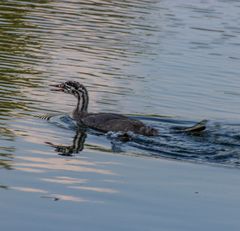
(103, 122)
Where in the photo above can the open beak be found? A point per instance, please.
(57, 87)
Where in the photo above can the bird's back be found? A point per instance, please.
(115, 122)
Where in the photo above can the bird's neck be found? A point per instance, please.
(82, 103)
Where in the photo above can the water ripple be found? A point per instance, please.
(154, 58)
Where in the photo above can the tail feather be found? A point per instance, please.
(198, 127)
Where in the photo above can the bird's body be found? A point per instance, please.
(104, 122)
(115, 122)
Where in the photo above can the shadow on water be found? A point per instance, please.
(218, 143)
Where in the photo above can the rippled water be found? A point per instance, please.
(168, 63)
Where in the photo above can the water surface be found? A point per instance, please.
(168, 63)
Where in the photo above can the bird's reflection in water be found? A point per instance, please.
(117, 139)
(80, 137)
(76, 147)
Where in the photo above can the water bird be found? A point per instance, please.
(103, 122)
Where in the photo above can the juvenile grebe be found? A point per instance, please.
(104, 122)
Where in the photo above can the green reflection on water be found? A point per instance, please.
(18, 60)
(6, 152)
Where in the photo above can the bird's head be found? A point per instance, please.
(69, 87)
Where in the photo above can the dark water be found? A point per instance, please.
(168, 63)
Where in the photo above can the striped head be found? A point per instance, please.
(70, 87)
(74, 88)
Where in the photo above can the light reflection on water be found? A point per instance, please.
(168, 58)
(60, 164)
